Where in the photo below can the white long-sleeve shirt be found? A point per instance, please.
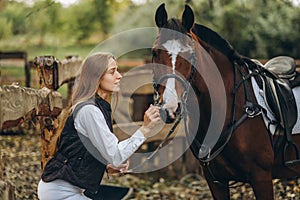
(90, 122)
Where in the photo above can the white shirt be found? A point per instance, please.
(90, 122)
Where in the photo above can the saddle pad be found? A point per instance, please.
(260, 97)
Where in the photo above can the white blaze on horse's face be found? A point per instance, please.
(170, 98)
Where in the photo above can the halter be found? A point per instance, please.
(186, 85)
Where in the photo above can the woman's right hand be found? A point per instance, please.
(151, 120)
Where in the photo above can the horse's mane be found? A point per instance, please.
(207, 35)
(215, 40)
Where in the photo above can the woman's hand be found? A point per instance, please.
(120, 169)
(151, 121)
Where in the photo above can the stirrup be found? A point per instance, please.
(290, 163)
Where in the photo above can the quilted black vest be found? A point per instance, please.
(73, 162)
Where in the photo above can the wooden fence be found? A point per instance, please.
(46, 104)
(21, 56)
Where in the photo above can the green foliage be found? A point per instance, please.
(14, 15)
(256, 28)
(6, 28)
(81, 25)
(103, 14)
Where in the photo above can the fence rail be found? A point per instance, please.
(18, 55)
(53, 73)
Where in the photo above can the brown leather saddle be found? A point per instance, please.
(277, 79)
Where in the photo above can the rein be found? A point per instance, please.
(160, 145)
(178, 119)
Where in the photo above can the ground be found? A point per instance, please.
(21, 159)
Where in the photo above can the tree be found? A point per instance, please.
(255, 28)
(42, 19)
(103, 14)
(14, 13)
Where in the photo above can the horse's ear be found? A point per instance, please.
(161, 15)
(188, 18)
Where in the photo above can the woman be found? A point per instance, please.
(87, 144)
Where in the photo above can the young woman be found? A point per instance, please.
(87, 147)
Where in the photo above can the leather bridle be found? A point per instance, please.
(182, 103)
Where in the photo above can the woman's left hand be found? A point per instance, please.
(120, 169)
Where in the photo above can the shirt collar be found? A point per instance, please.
(105, 104)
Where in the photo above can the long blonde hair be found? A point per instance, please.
(92, 70)
(87, 83)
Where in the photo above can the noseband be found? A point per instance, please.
(186, 85)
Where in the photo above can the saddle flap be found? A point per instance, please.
(281, 101)
(282, 66)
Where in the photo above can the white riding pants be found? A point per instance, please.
(60, 190)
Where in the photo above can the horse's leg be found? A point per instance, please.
(263, 186)
(219, 191)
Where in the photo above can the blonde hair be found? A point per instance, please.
(92, 70)
(86, 84)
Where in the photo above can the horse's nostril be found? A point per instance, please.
(178, 110)
(165, 116)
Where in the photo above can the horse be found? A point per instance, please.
(227, 134)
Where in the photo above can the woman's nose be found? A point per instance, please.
(119, 76)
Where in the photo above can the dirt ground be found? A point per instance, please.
(21, 161)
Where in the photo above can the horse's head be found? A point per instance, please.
(173, 55)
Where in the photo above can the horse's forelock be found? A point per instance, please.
(176, 25)
(173, 29)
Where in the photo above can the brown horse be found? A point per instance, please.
(198, 73)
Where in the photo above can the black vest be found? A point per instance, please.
(73, 162)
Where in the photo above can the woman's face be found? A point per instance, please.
(110, 81)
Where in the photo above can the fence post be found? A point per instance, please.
(52, 74)
(47, 69)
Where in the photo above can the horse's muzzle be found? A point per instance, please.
(166, 116)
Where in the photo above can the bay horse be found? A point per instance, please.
(187, 57)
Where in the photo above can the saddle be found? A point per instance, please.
(277, 78)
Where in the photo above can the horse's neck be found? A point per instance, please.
(223, 63)
(226, 72)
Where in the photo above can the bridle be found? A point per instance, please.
(185, 83)
(182, 103)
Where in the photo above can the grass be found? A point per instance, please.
(11, 71)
